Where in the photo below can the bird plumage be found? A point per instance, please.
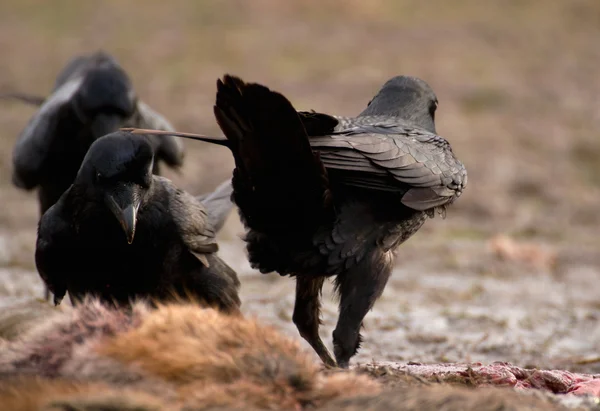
(323, 195)
(380, 154)
(92, 96)
(168, 248)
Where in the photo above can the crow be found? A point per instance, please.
(120, 232)
(327, 196)
(92, 96)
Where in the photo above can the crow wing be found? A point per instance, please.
(194, 226)
(387, 154)
(52, 252)
(191, 220)
(32, 149)
(76, 67)
(218, 204)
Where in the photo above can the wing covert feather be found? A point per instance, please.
(421, 163)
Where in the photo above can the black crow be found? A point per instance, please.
(323, 195)
(92, 96)
(120, 232)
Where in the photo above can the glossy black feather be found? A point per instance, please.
(92, 96)
(322, 195)
(82, 249)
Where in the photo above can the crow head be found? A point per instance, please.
(408, 98)
(117, 173)
(105, 99)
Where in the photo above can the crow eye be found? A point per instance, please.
(99, 177)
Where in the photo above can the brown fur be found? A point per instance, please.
(20, 317)
(25, 394)
(58, 395)
(445, 398)
(32, 393)
(181, 356)
(182, 353)
(227, 360)
(110, 400)
(60, 345)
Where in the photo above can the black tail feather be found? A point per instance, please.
(280, 185)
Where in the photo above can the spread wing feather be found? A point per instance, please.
(191, 219)
(371, 150)
(218, 204)
(196, 227)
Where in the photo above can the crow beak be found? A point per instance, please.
(124, 205)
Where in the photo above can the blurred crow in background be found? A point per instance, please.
(92, 96)
(120, 232)
(323, 195)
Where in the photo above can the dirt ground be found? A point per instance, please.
(513, 272)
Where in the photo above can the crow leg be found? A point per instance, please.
(359, 288)
(307, 315)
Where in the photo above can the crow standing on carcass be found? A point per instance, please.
(120, 232)
(92, 96)
(323, 196)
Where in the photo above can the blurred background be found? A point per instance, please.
(511, 274)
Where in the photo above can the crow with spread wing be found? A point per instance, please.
(327, 196)
(120, 232)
